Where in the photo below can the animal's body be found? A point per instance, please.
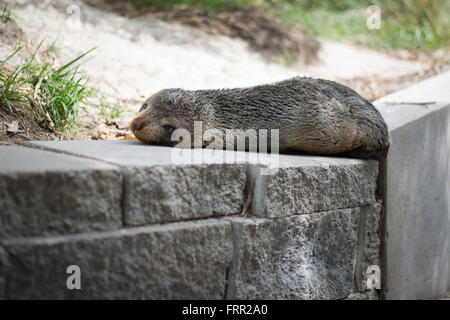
(313, 116)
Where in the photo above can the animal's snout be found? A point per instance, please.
(137, 124)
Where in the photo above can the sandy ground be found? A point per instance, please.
(135, 58)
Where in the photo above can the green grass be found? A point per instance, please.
(5, 14)
(421, 25)
(111, 112)
(405, 24)
(55, 93)
(53, 46)
(107, 110)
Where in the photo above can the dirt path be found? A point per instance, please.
(135, 58)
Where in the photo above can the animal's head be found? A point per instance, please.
(163, 113)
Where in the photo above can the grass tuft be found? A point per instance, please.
(5, 14)
(108, 110)
(55, 94)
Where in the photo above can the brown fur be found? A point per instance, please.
(313, 116)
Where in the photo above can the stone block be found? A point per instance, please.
(174, 193)
(159, 187)
(313, 184)
(188, 260)
(368, 245)
(366, 295)
(416, 190)
(44, 193)
(2, 273)
(300, 257)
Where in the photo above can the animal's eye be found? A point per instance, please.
(168, 128)
(144, 106)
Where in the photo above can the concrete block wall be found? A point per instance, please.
(415, 183)
(140, 226)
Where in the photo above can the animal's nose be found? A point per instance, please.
(137, 124)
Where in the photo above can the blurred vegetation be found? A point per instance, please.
(405, 24)
(54, 94)
(212, 4)
(5, 14)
